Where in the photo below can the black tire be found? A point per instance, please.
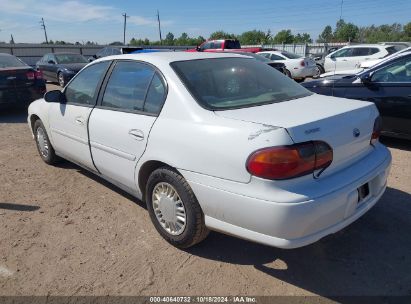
(300, 80)
(61, 79)
(287, 73)
(319, 70)
(51, 157)
(195, 230)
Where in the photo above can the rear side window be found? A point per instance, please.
(232, 44)
(391, 50)
(230, 83)
(276, 57)
(156, 95)
(134, 86)
(364, 51)
(83, 88)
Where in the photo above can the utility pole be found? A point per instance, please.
(342, 2)
(12, 39)
(159, 26)
(44, 28)
(125, 22)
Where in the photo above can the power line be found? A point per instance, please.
(159, 26)
(125, 23)
(44, 28)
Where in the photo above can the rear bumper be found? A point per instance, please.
(20, 98)
(296, 224)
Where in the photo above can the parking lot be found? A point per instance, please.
(65, 231)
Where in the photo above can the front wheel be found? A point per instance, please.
(44, 146)
(174, 209)
(61, 79)
(287, 73)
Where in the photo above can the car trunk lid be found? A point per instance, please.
(346, 125)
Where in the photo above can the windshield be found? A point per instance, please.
(230, 83)
(10, 61)
(70, 58)
(291, 55)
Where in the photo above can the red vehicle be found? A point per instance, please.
(221, 45)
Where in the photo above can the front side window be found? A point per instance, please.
(206, 46)
(229, 83)
(83, 88)
(127, 86)
(399, 71)
(343, 53)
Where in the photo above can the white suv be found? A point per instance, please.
(348, 57)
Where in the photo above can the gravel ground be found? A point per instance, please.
(64, 231)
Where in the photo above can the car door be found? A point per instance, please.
(120, 124)
(68, 121)
(44, 66)
(338, 61)
(52, 67)
(394, 101)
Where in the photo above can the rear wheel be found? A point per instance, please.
(174, 209)
(61, 79)
(300, 80)
(287, 73)
(44, 146)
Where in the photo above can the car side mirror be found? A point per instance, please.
(51, 62)
(54, 96)
(367, 78)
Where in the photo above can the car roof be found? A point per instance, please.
(379, 46)
(168, 57)
(5, 54)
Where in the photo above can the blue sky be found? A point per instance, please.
(101, 21)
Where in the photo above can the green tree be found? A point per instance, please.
(254, 37)
(302, 38)
(222, 35)
(326, 35)
(284, 36)
(169, 39)
(345, 32)
(407, 31)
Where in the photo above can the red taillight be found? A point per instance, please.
(302, 63)
(39, 74)
(30, 75)
(376, 132)
(286, 162)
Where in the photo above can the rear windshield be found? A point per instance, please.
(70, 58)
(231, 83)
(10, 62)
(291, 55)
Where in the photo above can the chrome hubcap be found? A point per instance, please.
(169, 208)
(61, 80)
(42, 142)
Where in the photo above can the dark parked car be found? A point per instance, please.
(279, 66)
(20, 84)
(387, 84)
(61, 67)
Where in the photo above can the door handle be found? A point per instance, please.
(79, 120)
(136, 134)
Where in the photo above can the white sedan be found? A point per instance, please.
(297, 66)
(220, 142)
